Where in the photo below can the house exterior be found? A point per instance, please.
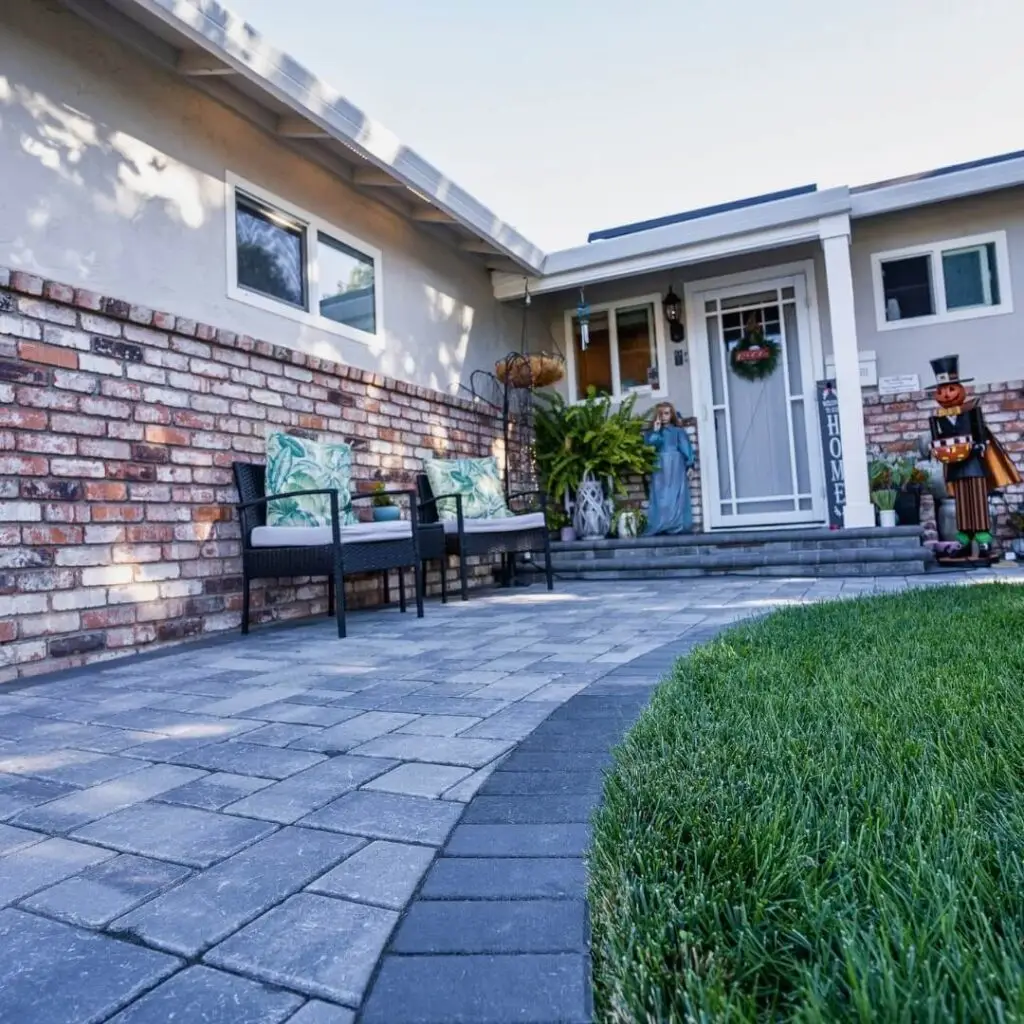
(201, 241)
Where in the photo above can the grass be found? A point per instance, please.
(820, 817)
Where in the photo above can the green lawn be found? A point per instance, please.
(821, 818)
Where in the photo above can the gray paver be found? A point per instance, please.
(18, 795)
(492, 926)
(210, 906)
(75, 767)
(287, 801)
(201, 995)
(212, 792)
(356, 730)
(12, 838)
(385, 874)
(518, 841)
(317, 1012)
(249, 759)
(184, 835)
(508, 783)
(57, 974)
(106, 890)
(437, 725)
(298, 945)
(471, 753)
(419, 779)
(388, 816)
(504, 878)
(87, 805)
(280, 734)
(303, 714)
(426, 703)
(480, 990)
(35, 867)
(550, 808)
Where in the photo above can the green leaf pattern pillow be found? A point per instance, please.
(298, 464)
(478, 481)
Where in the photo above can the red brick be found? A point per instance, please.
(26, 419)
(117, 513)
(49, 444)
(8, 631)
(23, 465)
(105, 491)
(49, 355)
(64, 424)
(167, 435)
(150, 532)
(27, 283)
(51, 534)
(212, 513)
(103, 618)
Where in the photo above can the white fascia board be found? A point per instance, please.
(228, 37)
(920, 192)
(511, 286)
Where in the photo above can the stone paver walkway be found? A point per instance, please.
(248, 832)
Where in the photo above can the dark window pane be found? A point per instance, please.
(907, 288)
(346, 285)
(970, 277)
(271, 252)
(594, 366)
(638, 352)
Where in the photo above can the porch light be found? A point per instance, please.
(673, 306)
(583, 319)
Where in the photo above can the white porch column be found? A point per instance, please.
(835, 241)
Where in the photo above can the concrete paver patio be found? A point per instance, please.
(289, 827)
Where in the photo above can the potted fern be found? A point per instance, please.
(885, 501)
(585, 452)
(384, 509)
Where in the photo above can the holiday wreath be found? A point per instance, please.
(754, 356)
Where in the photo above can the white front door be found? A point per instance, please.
(760, 455)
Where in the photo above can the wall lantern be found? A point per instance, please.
(673, 306)
(583, 318)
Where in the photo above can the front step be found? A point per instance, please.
(803, 552)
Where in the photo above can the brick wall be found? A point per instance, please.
(118, 427)
(894, 423)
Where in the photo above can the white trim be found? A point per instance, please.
(935, 251)
(659, 340)
(801, 275)
(311, 226)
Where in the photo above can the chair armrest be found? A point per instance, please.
(540, 494)
(458, 505)
(331, 492)
(288, 494)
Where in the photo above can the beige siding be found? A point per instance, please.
(990, 348)
(114, 180)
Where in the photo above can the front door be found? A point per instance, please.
(764, 468)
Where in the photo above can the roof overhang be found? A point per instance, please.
(771, 226)
(221, 54)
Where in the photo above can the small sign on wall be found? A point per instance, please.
(899, 385)
(868, 368)
(832, 451)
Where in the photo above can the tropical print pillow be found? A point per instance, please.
(298, 464)
(478, 481)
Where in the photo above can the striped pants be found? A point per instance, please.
(972, 505)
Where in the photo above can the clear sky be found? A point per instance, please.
(565, 116)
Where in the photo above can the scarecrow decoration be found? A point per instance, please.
(974, 463)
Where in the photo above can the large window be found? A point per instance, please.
(625, 352)
(958, 279)
(289, 262)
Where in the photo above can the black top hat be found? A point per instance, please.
(947, 371)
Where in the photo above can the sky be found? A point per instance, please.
(566, 116)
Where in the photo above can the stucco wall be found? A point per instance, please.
(991, 348)
(114, 180)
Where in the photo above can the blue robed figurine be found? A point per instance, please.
(669, 510)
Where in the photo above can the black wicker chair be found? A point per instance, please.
(334, 552)
(508, 537)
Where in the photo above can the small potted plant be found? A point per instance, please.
(559, 525)
(384, 509)
(885, 501)
(626, 521)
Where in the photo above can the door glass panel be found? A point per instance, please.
(727, 509)
(711, 306)
(715, 360)
(806, 505)
(722, 449)
(803, 464)
(796, 385)
(593, 366)
(638, 351)
(755, 505)
(753, 299)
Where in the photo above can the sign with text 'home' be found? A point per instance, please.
(832, 451)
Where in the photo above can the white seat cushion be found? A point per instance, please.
(315, 536)
(506, 524)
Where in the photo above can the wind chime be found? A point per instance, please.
(583, 319)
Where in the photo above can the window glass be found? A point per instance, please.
(593, 366)
(347, 284)
(638, 350)
(907, 287)
(271, 252)
(970, 276)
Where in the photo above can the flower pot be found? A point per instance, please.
(1017, 546)
(592, 517)
(626, 525)
(567, 535)
(887, 517)
(908, 507)
(386, 513)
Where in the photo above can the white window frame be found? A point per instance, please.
(935, 251)
(659, 341)
(312, 226)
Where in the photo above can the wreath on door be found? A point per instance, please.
(754, 356)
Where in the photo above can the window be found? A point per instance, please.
(625, 352)
(954, 280)
(288, 262)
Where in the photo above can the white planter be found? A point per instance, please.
(592, 517)
(626, 527)
(887, 517)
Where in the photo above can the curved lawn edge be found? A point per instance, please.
(820, 816)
